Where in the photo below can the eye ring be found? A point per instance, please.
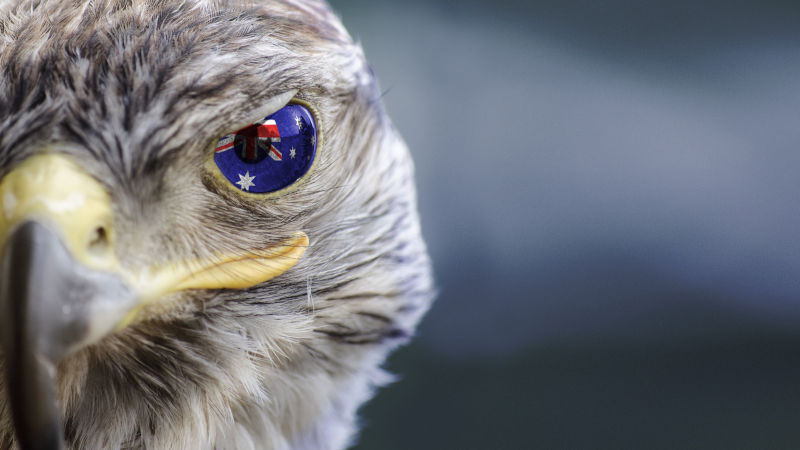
(282, 157)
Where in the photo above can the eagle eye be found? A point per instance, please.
(270, 154)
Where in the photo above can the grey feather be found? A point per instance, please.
(138, 91)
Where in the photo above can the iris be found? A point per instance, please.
(270, 154)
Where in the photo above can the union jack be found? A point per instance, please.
(260, 133)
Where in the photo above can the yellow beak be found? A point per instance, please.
(63, 287)
(52, 190)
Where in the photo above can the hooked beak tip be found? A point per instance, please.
(47, 306)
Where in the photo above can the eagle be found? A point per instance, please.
(208, 226)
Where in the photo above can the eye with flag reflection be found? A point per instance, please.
(270, 154)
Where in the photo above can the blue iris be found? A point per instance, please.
(270, 154)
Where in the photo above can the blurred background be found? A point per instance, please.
(609, 191)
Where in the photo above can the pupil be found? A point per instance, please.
(252, 150)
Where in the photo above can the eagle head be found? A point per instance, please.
(208, 226)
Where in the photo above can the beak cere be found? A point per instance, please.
(62, 286)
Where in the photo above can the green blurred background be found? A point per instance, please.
(609, 191)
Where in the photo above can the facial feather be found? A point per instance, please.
(138, 92)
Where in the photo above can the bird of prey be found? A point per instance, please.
(208, 226)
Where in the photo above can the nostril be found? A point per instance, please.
(98, 241)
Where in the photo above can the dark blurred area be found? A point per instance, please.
(609, 195)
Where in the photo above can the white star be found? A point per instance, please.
(313, 140)
(299, 122)
(292, 152)
(246, 181)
